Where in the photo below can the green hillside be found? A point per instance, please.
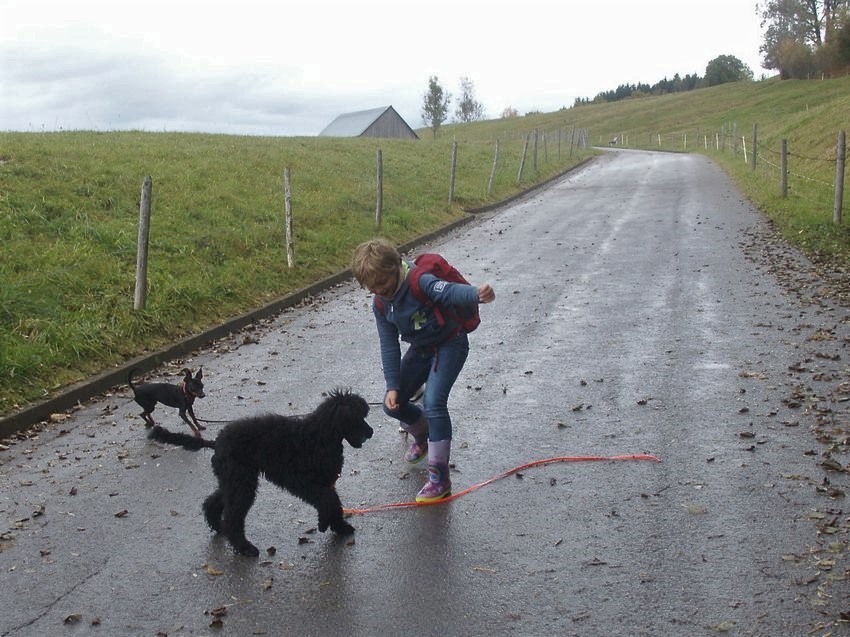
(69, 210)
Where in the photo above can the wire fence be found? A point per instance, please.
(772, 163)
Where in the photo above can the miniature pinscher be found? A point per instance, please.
(180, 396)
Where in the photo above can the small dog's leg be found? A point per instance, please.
(195, 430)
(192, 416)
(146, 416)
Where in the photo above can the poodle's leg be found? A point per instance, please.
(213, 509)
(238, 489)
(327, 503)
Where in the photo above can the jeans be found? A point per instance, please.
(438, 368)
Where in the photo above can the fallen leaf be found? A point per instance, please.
(832, 465)
(212, 570)
(724, 627)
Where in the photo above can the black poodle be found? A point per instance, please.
(302, 454)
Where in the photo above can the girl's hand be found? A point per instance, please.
(486, 293)
(391, 400)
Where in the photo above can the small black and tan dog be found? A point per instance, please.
(302, 454)
(180, 396)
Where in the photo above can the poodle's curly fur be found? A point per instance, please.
(302, 454)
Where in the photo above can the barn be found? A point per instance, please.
(375, 122)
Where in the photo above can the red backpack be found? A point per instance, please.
(467, 318)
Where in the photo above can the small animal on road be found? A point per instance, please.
(180, 396)
(302, 454)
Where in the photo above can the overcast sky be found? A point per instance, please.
(289, 68)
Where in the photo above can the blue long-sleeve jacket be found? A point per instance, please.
(406, 318)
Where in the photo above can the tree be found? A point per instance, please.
(509, 112)
(435, 107)
(726, 68)
(468, 109)
(791, 25)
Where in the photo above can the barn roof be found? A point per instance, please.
(358, 123)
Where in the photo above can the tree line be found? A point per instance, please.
(722, 69)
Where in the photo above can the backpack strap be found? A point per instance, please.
(413, 280)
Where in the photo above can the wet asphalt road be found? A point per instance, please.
(639, 310)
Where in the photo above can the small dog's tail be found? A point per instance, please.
(186, 441)
(130, 378)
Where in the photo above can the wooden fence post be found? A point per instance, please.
(287, 202)
(141, 294)
(534, 151)
(559, 144)
(841, 153)
(783, 168)
(572, 139)
(755, 142)
(454, 168)
(522, 161)
(379, 207)
(493, 170)
(735, 140)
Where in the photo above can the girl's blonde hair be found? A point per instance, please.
(373, 261)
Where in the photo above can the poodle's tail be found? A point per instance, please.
(186, 441)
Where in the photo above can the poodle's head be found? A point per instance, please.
(345, 414)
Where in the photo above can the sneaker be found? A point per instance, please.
(433, 491)
(416, 451)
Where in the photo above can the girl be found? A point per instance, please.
(438, 349)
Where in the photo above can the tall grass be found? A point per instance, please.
(69, 208)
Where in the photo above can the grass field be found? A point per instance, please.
(69, 210)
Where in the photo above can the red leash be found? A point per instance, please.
(504, 474)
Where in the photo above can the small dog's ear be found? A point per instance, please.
(200, 373)
(188, 375)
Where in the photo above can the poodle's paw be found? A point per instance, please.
(246, 548)
(343, 528)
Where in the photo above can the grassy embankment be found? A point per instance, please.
(69, 210)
